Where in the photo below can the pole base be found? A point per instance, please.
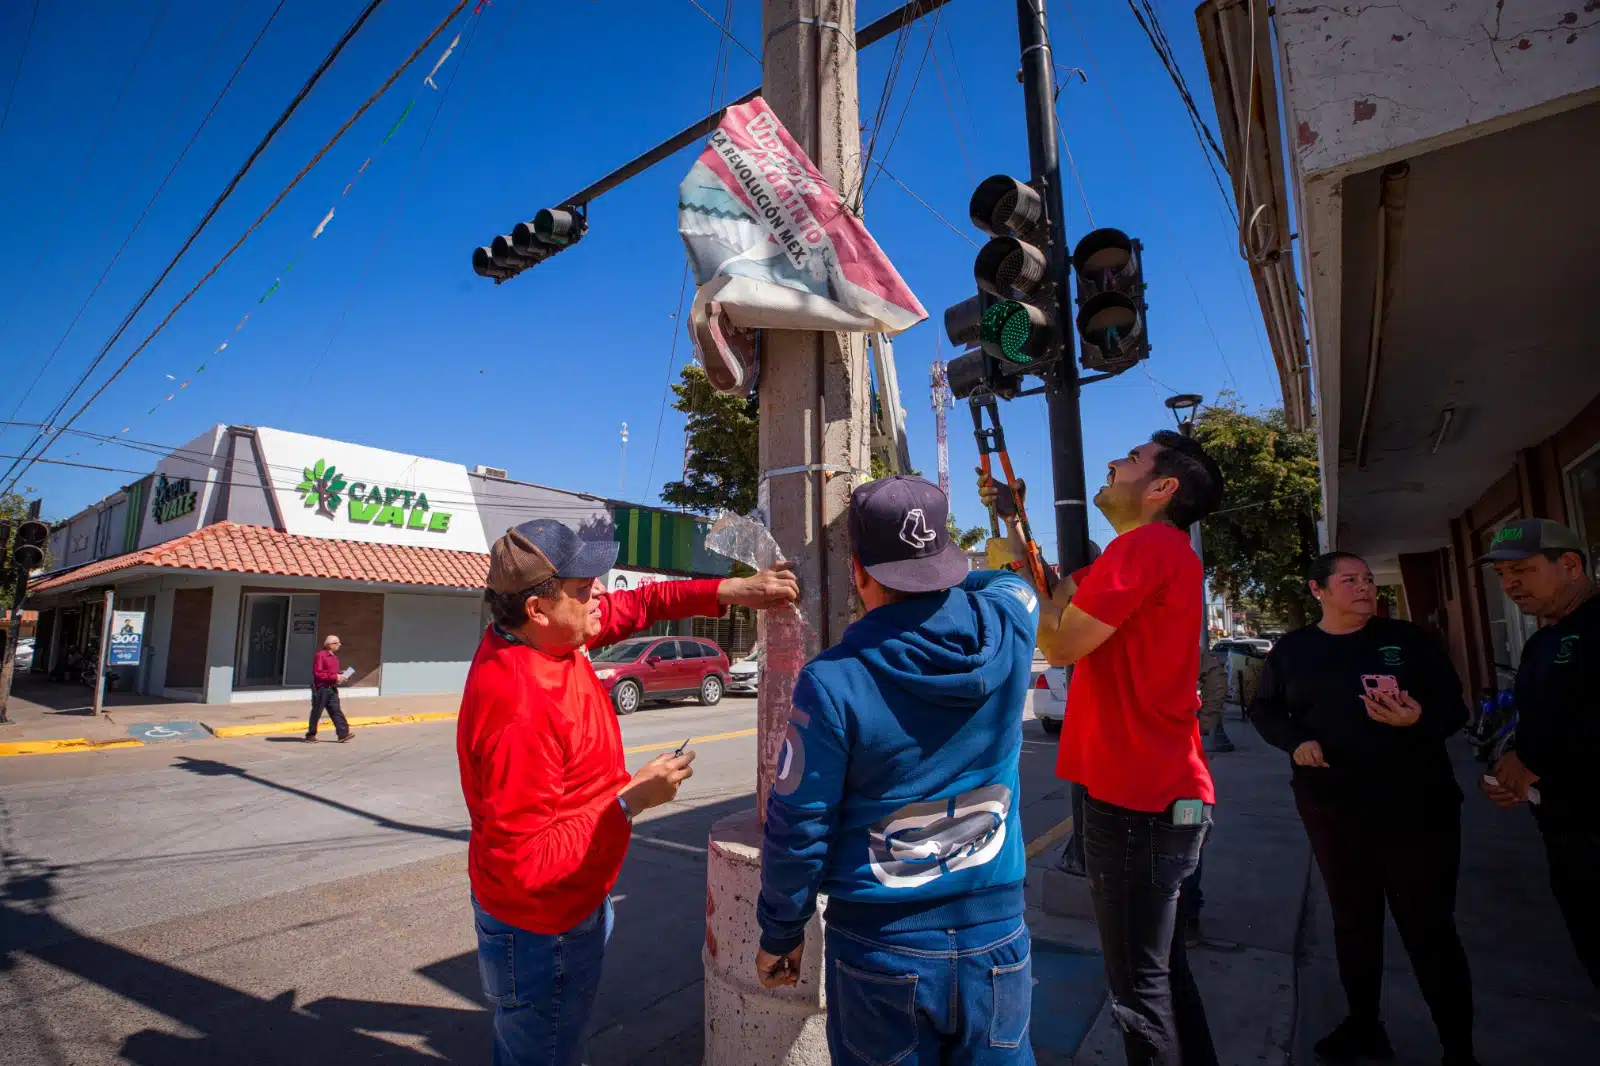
(745, 1024)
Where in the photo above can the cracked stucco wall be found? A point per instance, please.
(1363, 80)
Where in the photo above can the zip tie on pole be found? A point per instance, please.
(819, 23)
(806, 468)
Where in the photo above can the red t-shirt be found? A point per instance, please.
(540, 753)
(1131, 736)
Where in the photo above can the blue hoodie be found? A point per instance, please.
(897, 785)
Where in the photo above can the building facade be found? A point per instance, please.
(1426, 179)
(248, 546)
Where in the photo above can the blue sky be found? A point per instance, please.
(381, 334)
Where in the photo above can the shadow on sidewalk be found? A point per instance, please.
(652, 970)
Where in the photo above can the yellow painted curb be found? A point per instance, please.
(261, 729)
(670, 746)
(1037, 846)
(62, 747)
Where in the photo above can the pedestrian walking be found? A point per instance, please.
(1363, 705)
(547, 790)
(326, 678)
(1214, 702)
(1131, 622)
(1544, 570)
(898, 797)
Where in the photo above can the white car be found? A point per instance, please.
(1050, 699)
(744, 676)
(23, 660)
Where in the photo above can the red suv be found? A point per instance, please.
(661, 668)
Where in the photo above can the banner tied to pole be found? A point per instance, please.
(773, 246)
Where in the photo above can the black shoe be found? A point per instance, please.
(1354, 1040)
(310, 738)
(1220, 741)
(346, 737)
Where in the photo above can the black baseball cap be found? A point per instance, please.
(899, 531)
(1528, 537)
(532, 553)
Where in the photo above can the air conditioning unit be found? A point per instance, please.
(489, 471)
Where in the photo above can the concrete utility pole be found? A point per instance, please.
(815, 428)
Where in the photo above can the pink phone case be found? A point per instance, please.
(1384, 683)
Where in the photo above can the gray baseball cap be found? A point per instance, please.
(1528, 537)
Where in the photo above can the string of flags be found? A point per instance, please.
(321, 226)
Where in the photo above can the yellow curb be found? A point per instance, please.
(62, 747)
(260, 729)
(670, 746)
(1038, 844)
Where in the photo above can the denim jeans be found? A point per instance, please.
(1194, 896)
(542, 987)
(1137, 865)
(930, 998)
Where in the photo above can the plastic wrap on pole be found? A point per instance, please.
(786, 640)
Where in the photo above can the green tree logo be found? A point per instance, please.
(321, 488)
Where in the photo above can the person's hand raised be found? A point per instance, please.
(772, 587)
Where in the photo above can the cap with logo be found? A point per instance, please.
(1528, 537)
(899, 530)
(536, 551)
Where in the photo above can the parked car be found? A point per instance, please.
(642, 669)
(744, 676)
(23, 660)
(1050, 699)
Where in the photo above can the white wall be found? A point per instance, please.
(428, 641)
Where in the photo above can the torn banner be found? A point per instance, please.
(773, 246)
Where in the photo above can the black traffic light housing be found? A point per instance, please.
(28, 553)
(1108, 268)
(552, 230)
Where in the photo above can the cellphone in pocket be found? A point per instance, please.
(1384, 684)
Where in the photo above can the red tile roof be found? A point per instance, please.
(240, 549)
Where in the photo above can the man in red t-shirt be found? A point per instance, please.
(548, 794)
(1130, 622)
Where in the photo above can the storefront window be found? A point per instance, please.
(1583, 485)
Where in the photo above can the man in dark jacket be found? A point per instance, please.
(325, 681)
(897, 796)
(1543, 570)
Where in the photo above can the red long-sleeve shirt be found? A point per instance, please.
(325, 668)
(540, 752)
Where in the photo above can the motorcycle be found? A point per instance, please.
(1495, 731)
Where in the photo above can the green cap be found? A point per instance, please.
(1528, 537)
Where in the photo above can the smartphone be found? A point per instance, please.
(685, 744)
(1380, 684)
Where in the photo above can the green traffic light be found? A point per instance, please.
(1014, 331)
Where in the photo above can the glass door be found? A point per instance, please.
(263, 639)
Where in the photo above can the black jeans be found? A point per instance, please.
(326, 697)
(1574, 853)
(1412, 863)
(1137, 865)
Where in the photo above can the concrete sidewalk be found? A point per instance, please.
(1266, 968)
(44, 714)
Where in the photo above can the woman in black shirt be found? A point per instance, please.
(1363, 706)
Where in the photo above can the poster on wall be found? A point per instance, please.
(624, 580)
(342, 491)
(127, 638)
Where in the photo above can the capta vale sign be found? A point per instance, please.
(171, 499)
(327, 490)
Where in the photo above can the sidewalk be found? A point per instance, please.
(44, 711)
(1266, 968)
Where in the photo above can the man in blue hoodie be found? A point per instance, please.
(897, 796)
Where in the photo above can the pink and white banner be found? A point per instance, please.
(773, 246)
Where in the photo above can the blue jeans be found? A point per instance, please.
(958, 997)
(542, 987)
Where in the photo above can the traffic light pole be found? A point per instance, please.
(1061, 385)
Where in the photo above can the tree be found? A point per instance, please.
(967, 539)
(13, 509)
(724, 466)
(1262, 540)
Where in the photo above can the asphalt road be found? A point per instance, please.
(266, 901)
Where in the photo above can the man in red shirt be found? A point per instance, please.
(1131, 623)
(325, 682)
(547, 791)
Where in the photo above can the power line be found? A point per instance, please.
(270, 207)
(911, 93)
(727, 34)
(148, 204)
(27, 38)
(216, 205)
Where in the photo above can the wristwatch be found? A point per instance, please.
(627, 811)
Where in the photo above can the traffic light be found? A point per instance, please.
(28, 553)
(552, 230)
(1014, 268)
(1108, 267)
(5, 542)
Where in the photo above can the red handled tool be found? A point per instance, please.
(992, 441)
